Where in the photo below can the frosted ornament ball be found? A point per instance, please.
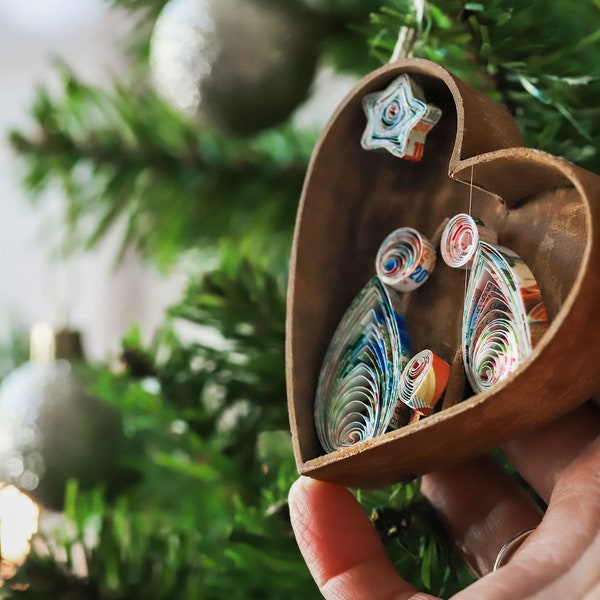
(50, 429)
(235, 66)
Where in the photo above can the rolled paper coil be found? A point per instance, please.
(358, 383)
(460, 240)
(422, 383)
(399, 119)
(504, 316)
(405, 259)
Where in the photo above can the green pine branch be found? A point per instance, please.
(206, 515)
(134, 552)
(539, 60)
(206, 422)
(123, 156)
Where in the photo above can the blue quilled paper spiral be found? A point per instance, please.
(504, 316)
(358, 384)
(405, 259)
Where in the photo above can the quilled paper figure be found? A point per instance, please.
(423, 382)
(504, 316)
(358, 384)
(399, 119)
(460, 240)
(405, 259)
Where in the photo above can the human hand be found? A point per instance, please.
(482, 508)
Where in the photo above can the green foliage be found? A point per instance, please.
(415, 539)
(152, 7)
(203, 406)
(124, 157)
(227, 383)
(211, 464)
(538, 59)
(127, 156)
(135, 552)
(14, 348)
(210, 457)
(121, 155)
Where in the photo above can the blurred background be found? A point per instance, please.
(86, 298)
(152, 155)
(89, 290)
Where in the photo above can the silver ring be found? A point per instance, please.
(507, 551)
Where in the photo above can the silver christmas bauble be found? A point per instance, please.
(238, 66)
(51, 431)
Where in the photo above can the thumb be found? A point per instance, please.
(341, 547)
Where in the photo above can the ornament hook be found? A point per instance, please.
(407, 36)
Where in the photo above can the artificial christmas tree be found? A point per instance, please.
(206, 417)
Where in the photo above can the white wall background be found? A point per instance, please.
(95, 297)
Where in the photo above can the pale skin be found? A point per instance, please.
(482, 508)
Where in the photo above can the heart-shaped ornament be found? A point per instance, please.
(544, 209)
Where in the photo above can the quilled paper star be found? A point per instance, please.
(399, 119)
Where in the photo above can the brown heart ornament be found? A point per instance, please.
(544, 208)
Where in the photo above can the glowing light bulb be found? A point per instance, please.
(18, 522)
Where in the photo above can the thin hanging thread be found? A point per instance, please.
(471, 192)
(469, 213)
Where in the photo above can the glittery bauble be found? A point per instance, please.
(239, 66)
(51, 431)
